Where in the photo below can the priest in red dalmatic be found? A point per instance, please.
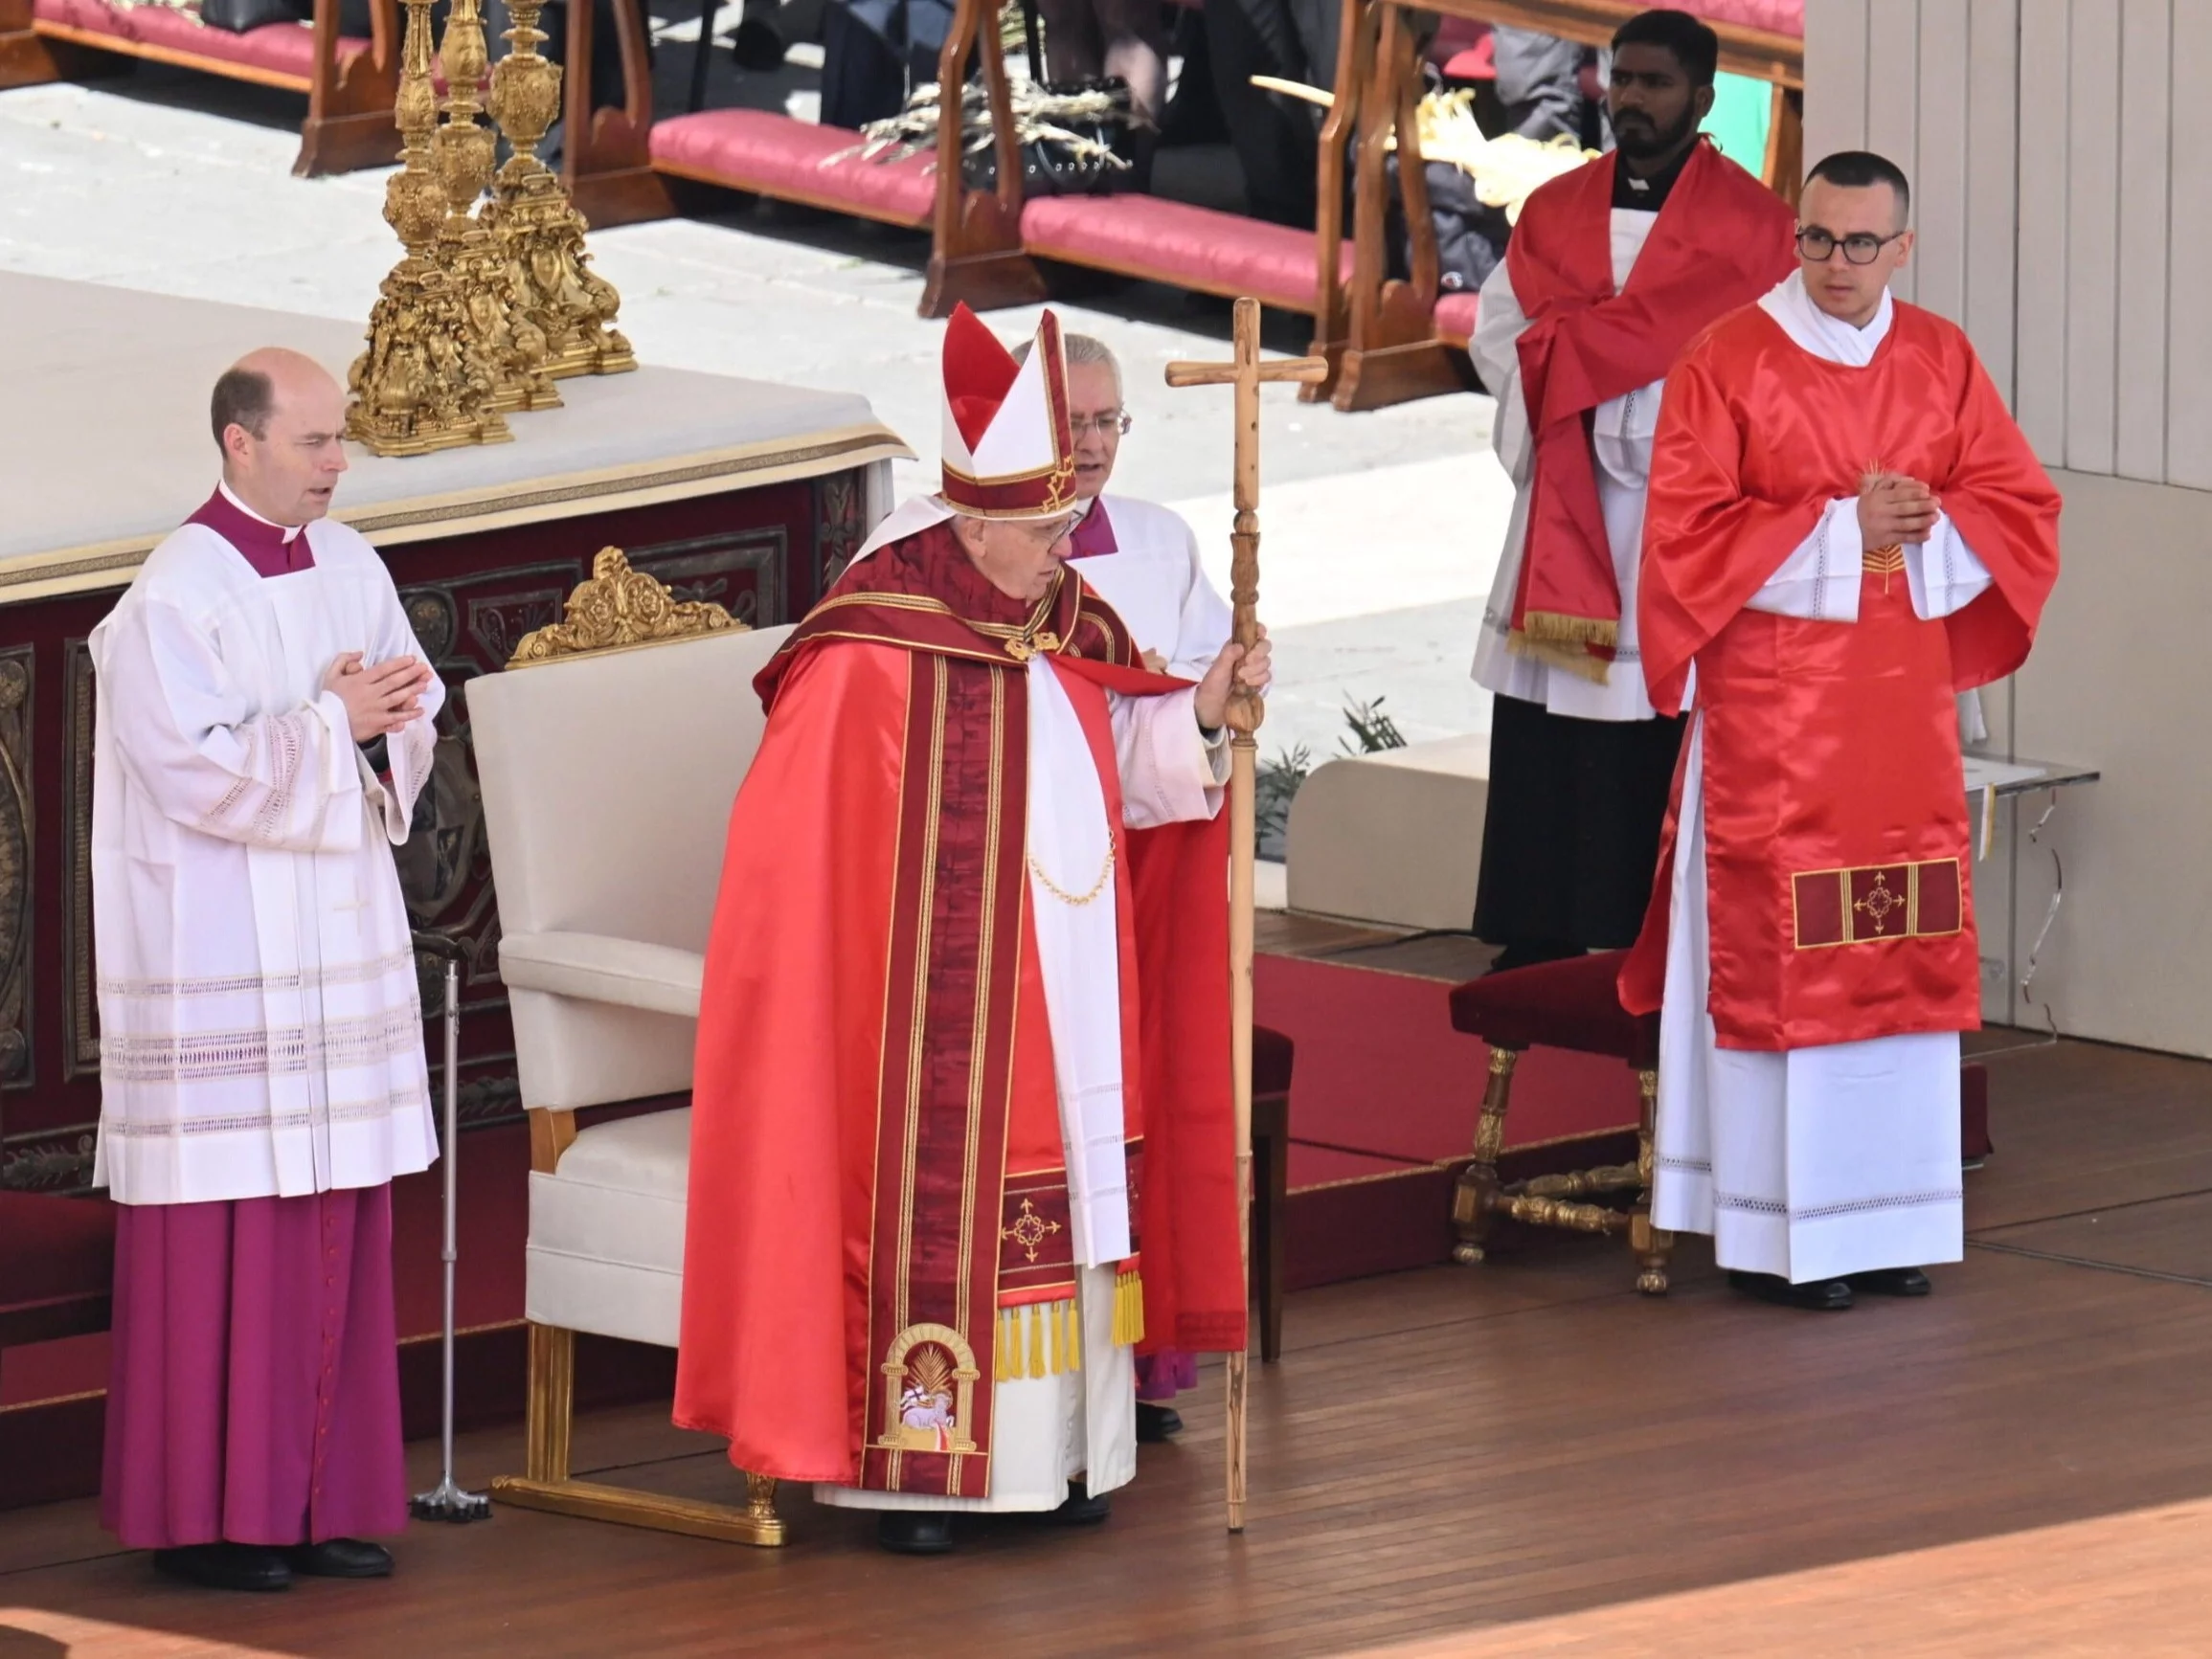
(1612, 269)
(1845, 528)
(963, 1122)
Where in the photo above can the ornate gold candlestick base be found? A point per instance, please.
(422, 385)
(512, 348)
(538, 227)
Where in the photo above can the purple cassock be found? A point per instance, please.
(254, 1390)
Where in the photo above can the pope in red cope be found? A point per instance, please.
(1845, 527)
(962, 1132)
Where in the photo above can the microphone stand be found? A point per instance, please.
(446, 1501)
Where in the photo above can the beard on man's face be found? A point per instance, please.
(1638, 137)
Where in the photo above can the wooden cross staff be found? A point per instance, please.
(1245, 715)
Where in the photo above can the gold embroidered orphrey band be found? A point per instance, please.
(1878, 903)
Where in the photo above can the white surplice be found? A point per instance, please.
(260, 1029)
(1808, 1163)
(1157, 585)
(1048, 1430)
(1621, 432)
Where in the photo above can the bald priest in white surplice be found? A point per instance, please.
(264, 726)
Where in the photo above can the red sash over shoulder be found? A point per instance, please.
(878, 1221)
(1838, 871)
(1721, 241)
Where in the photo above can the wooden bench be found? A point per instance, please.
(1390, 339)
(351, 83)
(985, 244)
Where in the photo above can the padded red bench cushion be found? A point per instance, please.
(1174, 242)
(1774, 16)
(57, 1266)
(1456, 315)
(284, 51)
(1575, 1004)
(774, 155)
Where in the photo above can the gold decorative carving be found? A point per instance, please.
(617, 609)
(571, 306)
(512, 346)
(422, 385)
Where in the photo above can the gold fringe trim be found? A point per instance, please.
(1128, 1310)
(1039, 1340)
(1556, 628)
(1572, 659)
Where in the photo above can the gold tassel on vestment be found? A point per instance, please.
(1128, 1309)
(1570, 656)
(1037, 1340)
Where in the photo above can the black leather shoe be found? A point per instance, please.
(1156, 1424)
(1079, 1511)
(340, 1559)
(915, 1531)
(1819, 1296)
(226, 1566)
(1891, 1282)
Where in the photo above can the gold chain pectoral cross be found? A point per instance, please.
(1247, 374)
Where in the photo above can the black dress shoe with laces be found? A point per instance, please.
(1891, 1282)
(1816, 1297)
(915, 1531)
(340, 1559)
(1156, 1424)
(226, 1566)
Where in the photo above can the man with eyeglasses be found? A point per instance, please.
(949, 1166)
(1845, 527)
(1612, 270)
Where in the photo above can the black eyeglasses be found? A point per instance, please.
(1814, 245)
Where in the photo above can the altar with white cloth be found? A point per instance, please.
(744, 493)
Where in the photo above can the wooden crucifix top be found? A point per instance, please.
(1246, 373)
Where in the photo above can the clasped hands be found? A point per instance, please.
(380, 700)
(1894, 508)
(1248, 671)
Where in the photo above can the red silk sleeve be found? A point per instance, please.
(2006, 507)
(1709, 544)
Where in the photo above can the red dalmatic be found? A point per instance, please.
(1837, 853)
(877, 1172)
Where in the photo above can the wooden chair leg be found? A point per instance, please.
(549, 1410)
(1476, 1199)
(546, 1483)
(1653, 1245)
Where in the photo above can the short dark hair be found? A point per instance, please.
(1859, 169)
(1695, 46)
(243, 398)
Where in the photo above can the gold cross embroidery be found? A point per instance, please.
(1881, 903)
(1029, 1229)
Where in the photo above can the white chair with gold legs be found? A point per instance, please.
(608, 754)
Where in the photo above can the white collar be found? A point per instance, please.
(1826, 337)
(291, 530)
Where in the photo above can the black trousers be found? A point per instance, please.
(1570, 843)
(1277, 139)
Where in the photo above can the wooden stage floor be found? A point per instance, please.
(1519, 1459)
